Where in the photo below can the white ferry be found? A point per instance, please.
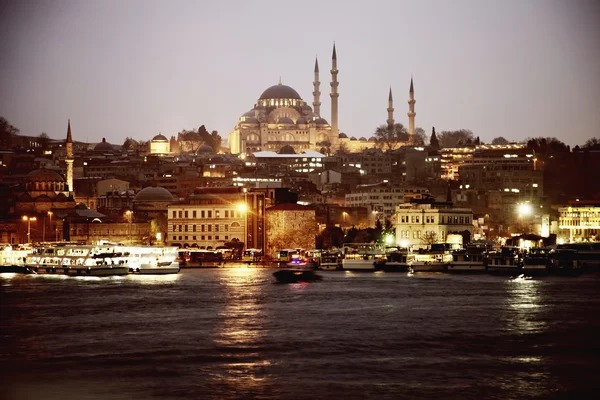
(470, 260)
(362, 256)
(152, 260)
(12, 258)
(436, 259)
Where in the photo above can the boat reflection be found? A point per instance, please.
(240, 332)
(153, 279)
(524, 304)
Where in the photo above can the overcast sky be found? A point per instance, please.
(512, 68)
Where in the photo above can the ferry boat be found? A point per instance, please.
(535, 261)
(93, 260)
(471, 259)
(564, 261)
(152, 260)
(504, 261)
(362, 256)
(436, 259)
(12, 258)
(588, 254)
(329, 260)
(396, 260)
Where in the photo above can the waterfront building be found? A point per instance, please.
(290, 226)
(211, 217)
(503, 169)
(381, 199)
(580, 222)
(420, 224)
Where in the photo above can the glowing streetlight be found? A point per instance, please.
(525, 209)
(29, 219)
(129, 216)
(50, 213)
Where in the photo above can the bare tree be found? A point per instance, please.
(389, 138)
(500, 140)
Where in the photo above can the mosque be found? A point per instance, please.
(280, 119)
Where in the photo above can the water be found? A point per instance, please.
(233, 333)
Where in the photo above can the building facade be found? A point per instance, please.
(579, 223)
(419, 225)
(290, 226)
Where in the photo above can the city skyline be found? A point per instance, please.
(523, 70)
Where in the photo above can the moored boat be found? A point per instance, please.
(396, 260)
(535, 261)
(504, 261)
(436, 259)
(471, 259)
(362, 257)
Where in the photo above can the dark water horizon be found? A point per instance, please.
(233, 333)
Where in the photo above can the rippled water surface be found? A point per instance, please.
(233, 333)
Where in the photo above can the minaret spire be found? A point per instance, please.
(390, 110)
(69, 157)
(316, 91)
(411, 112)
(334, 94)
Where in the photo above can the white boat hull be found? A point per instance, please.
(358, 265)
(99, 271)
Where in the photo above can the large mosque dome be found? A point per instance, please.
(280, 91)
(44, 175)
(154, 194)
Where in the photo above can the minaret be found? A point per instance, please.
(69, 159)
(390, 110)
(411, 112)
(334, 94)
(316, 92)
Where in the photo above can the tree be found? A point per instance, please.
(419, 137)
(129, 144)
(433, 141)
(454, 138)
(7, 131)
(500, 140)
(592, 144)
(429, 238)
(44, 141)
(332, 236)
(389, 138)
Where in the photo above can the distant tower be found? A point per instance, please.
(411, 112)
(316, 92)
(334, 94)
(390, 110)
(69, 159)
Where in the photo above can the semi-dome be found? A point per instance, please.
(321, 121)
(205, 149)
(372, 139)
(362, 139)
(280, 92)
(287, 149)
(301, 120)
(352, 138)
(44, 175)
(285, 120)
(103, 146)
(248, 114)
(154, 193)
(159, 138)
(250, 120)
(343, 136)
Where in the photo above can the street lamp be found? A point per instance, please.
(29, 219)
(344, 213)
(129, 216)
(243, 208)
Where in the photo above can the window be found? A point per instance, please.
(185, 228)
(202, 213)
(186, 214)
(210, 228)
(202, 228)
(217, 214)
(209, 213)
(193, 228)
(193, 237)
(226, 213)
(174, 214)
(180, 214)
(216, 238)
(216, 228)
(226, 228)
(210, 238)
(203, 237)
(194, 214)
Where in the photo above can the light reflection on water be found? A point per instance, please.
(240, 329)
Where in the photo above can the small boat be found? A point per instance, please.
(505, 261)
(296, 275)
(535, 262)
(362, 256)
(397, 260)
(436, 259)
(472, 259)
